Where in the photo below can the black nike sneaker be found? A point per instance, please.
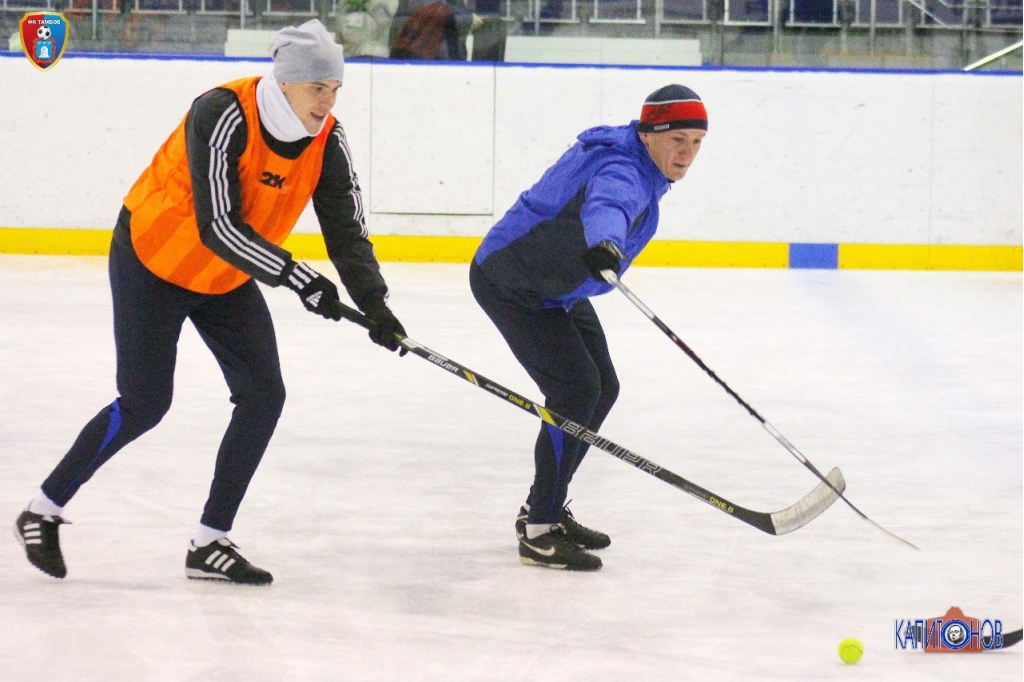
(554, 550)
(584, 537)
(521, 523)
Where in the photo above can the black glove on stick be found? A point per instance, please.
(318, 293)
(604, 256)
(385, 326)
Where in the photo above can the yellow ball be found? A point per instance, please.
(850, 650)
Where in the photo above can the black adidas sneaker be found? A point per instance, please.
(554, 550)
(220, 560)
(38, 535)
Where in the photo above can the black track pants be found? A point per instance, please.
(148, 315)
(566, 353)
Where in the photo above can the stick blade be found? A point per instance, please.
(811, 506)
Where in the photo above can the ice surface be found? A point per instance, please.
(384, 506)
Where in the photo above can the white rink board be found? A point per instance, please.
(434, 143)
(792, 156)
(528, 136)
(961, 190)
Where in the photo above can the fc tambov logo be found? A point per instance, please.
(44, 36)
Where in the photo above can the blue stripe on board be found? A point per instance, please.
(628, 67)
(814, 256)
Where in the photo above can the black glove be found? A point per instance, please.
(318, 293)
(604, 256)
(385, 326)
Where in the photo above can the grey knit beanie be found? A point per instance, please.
(306, 53)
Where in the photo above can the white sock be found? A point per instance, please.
(535, 530)
(527, 506)
(41, 504)
(205, 535)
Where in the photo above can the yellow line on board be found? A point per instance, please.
(54, 242)
(430, 249)
(306, 246)
(425, 249)
(715, 254)
(434, 249)
(930, 257)
(405, 249)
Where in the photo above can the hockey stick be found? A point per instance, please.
(613, 279)
(781, 522)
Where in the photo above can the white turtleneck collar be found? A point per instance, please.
(277, 114)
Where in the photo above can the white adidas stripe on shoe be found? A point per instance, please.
(32, 534)
(220, 560)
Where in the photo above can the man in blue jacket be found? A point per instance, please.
(594, 210)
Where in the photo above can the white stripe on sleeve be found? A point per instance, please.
(225, 230)
(357, 196)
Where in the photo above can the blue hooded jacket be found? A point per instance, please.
(605, 187)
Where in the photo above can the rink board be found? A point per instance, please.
(661, 253)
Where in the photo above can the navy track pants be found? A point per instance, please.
(566, 353)
(148, 316)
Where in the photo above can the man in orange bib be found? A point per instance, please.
(201, 226)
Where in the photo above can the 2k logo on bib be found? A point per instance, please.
(44, 35)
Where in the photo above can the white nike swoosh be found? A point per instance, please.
(542, 552)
